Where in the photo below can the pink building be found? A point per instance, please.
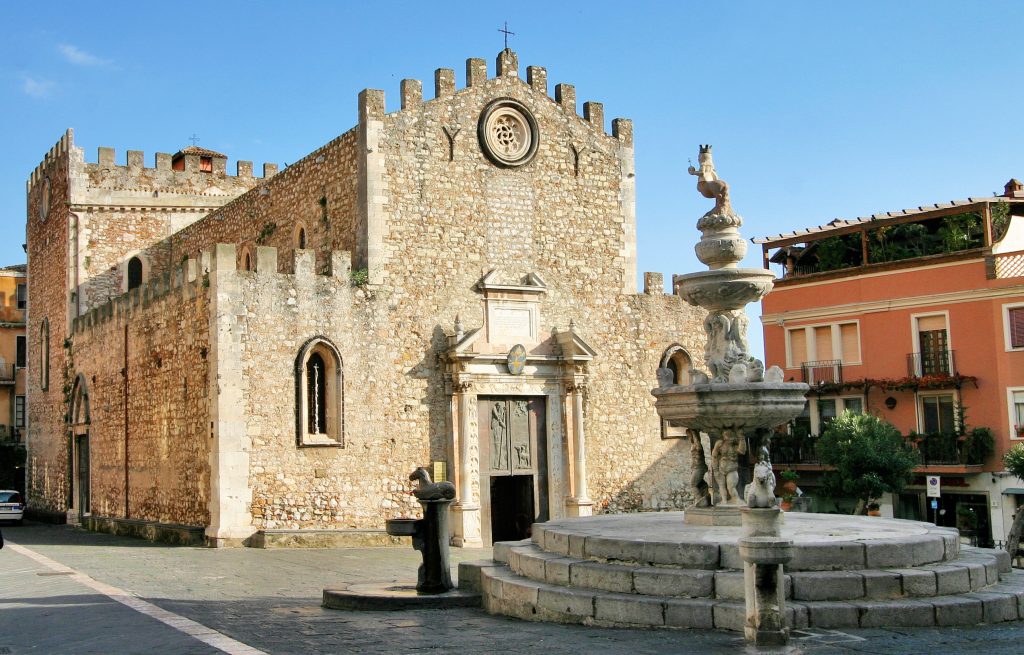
(916, 316)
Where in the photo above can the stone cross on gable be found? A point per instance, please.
(194, 139)
(506, 33)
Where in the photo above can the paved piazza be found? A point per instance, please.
(64, 590)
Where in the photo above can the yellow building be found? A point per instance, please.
(13, 352)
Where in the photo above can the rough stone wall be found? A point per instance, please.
(167, 324)
(451, 217)
(47, 475)
(317, 192)
(394, 417)
(361, 483)
(127, 209)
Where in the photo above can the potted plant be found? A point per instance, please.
(874, 509)
(787, 502)
(788, 485)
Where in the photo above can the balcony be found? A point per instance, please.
(827, 371)
(964, 453)
(931, 362)
(7, 374)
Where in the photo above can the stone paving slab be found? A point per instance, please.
(271, 601)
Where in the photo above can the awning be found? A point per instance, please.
(1013, 491)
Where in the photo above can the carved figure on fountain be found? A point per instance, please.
(708, 183)
(727, 347)
(760, 493)
(725, 459)
(698, 471)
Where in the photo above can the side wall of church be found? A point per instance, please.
(161, 330)
(130, 209)
(48, 272)
(317, 193)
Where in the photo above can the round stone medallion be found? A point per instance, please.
(508, 133)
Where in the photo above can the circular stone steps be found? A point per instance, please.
(847, 572)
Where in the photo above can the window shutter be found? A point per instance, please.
(798, 346)
(851, 342)
(823, 343)
(1017, 327)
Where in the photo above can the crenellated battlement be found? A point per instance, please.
(192, 278)
(62, 147)
(164, 162)
(506, 66)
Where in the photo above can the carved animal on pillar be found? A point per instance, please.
(761, 491)
(428, 490)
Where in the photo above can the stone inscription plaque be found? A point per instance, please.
(511, 322)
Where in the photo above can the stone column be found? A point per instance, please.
(764, 553)
(580, 503)
(466, 512)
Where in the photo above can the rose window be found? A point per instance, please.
(508, 133)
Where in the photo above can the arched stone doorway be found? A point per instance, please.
(78, 450)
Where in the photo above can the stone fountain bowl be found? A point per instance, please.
(400, 527)
(713, 407)
(725, 288)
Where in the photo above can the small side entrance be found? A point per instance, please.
(513, 453)
(82, 473)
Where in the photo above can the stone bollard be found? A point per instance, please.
(763, 553)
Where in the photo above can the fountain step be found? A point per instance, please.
(822, 542)
(505, 592)
(973, 570)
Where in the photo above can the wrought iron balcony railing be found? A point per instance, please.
(931, 362)
(828, 371)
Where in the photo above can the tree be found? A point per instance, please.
(868, 458)
(1014, 461)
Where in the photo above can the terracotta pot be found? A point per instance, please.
(785, 505)
(874, 512)
(787, 488)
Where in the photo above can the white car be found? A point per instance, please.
(12, 508)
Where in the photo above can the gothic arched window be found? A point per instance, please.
(320, 399)
(44, 354)
(134, 273)
(678, 361)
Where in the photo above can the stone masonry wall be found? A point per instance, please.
(167, 324)
(124, 210)
(47, 475)
(317, 193)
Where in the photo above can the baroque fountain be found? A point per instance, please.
(730, 561)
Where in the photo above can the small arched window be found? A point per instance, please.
(44, 354)
(320, 400)
(678, 361)
(44, 200)
(248, 262)
(299, 237)
(134, 273)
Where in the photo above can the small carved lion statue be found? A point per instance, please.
(761, 492)
(428, 490)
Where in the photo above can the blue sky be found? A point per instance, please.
(816, 110)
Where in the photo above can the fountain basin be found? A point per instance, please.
(400, 527)
(712, 407)
(725, 289)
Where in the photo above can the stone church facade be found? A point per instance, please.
(264, 360)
